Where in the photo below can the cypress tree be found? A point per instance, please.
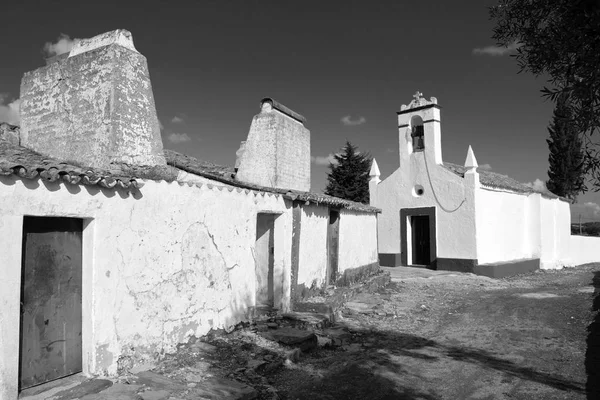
(566, 159)
(348, 177)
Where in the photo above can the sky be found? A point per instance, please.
(346, 66)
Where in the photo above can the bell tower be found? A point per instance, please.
(419, 130)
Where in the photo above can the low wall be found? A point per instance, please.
(313, 246)
(584, 249)
(358, 255)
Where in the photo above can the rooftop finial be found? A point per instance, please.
(418, 95)
(471, 161)
(374, 173)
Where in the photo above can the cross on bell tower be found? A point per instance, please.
(418, 95)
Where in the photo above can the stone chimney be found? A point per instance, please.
(93, 107)
(277, 151)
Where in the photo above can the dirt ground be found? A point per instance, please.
(451, 336)
(427, 335)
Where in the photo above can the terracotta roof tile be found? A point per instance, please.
(29, 164)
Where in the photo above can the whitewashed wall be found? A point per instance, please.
(159, 266)
(455, 207)
(313, 245)
(357, 240)
(503, 229)
(555, 222)
(583, 250)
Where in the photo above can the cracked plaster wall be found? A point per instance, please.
(94, 108)
(276, 153)
(160, 266)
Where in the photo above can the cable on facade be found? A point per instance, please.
(433, 190)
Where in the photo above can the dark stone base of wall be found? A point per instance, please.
(511, 268)
(303, 292)
(353, 275)
(456, 264)
(496, 270)
(335, 299)
(368, 277)
(390, 259)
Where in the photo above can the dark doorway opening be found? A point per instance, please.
(50, 329)
(420, 240)
(418, 237)
(265, 260)
(333, 231)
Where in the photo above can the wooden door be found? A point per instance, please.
(333, 229)
(50, 300)
(420, 240)
(265, 259)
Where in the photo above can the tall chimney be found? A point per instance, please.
(93, 107)
(277, 151)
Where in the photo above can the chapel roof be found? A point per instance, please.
(498, 181)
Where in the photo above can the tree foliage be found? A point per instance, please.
(559, 39)
(348, 177)
(566, 154)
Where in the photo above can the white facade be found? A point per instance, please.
(171, 261)
(478, 221)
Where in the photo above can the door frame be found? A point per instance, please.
(11, 259)
(406, 234)
(51, 224)
(332, 270)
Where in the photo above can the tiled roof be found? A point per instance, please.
(499, 181)
(29, 164)
(18, 160)
(226, 175)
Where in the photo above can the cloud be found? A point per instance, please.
(496, 50)
(485, 167)
(177, 120)
(63, 44)
(178, 138)
(587, 211)
(391, 150)
(594, 207)
(319, 160)
(9, 111)
(348, 121)
(538, 186)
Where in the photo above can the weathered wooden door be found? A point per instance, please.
(265, 259)
(50, 300)
(333, 246)
(420, 240)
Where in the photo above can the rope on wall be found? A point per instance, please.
(433, 190)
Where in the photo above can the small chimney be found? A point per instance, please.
(93, 107)
(277, 151)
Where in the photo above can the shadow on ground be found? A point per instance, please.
(381, 370)
(592, 354)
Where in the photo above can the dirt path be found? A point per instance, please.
(425, 336)
(461, 337)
